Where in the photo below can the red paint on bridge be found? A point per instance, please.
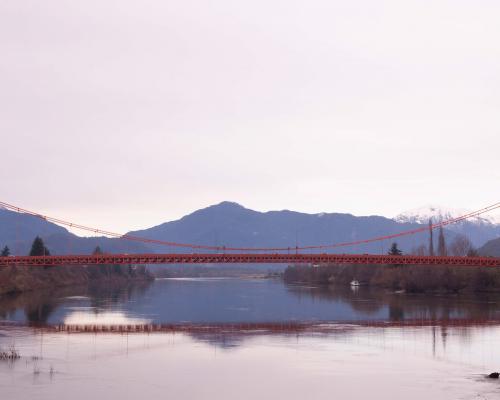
(244, 258)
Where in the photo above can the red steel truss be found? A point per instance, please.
(243, 258)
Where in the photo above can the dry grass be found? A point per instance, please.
(9, 354)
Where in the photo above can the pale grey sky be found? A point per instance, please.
(124, 114)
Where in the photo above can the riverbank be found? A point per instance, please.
(411, 279)
(22, 279)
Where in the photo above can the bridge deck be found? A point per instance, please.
(215, 258)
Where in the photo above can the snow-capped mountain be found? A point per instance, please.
(478, 229)
(438, 213)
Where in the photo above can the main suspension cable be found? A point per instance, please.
(228, 248)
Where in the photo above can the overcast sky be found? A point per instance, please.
(124, 114)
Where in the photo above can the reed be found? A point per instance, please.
(10, 354)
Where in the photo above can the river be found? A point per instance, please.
(246, 339)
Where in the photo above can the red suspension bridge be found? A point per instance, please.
(247, 258)
(245, 255)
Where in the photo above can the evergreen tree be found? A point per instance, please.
(38, 248)
(394, 251)
(442, 251)
(5, 252)
(431, 240)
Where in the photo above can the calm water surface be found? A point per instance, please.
(354, 360)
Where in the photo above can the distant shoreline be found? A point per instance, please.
(409, 279)
(23, 279)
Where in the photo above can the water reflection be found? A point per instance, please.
(248, 339)
(414, 362)
(88, 318)
(52, 306)
(370, 303)
(233, 301)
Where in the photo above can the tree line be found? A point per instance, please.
(38, 248)
(461, 246)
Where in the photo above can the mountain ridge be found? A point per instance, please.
(479, 229)
(439, 213)
(231, 224)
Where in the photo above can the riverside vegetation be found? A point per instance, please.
(410, 278)
(20, 279)
(10, 354)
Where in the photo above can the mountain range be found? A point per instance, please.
(17, 231)
(230, 224)
(479, 229)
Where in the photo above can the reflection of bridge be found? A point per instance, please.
(247, 258)
(258, 327)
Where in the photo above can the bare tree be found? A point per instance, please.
(460, 246)
(473, 252)
(420, 250)
(442, 251)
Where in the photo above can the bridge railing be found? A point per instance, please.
(243, 258)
